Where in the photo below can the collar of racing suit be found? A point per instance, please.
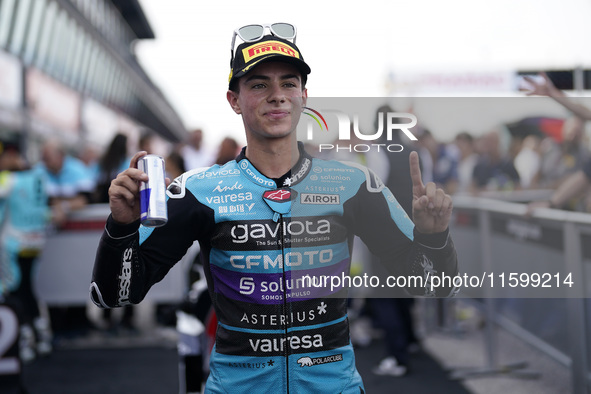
(292, 177)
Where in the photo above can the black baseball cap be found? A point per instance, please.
(268, 48)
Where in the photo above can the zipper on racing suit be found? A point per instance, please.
(277, 203)
(284, 306)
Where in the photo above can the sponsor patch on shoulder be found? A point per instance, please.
(320, 199)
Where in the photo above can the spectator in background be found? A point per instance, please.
(146, 142)
(113, 161)
(69, 188)
(493, 170)
(559, 160)
(194, 153)
(467, 161)
(25, 216)
(444, 159)
(528, 162)
(89, 155)
(572, 188)
(68, 184)
(424, 154)
(398, 163)
(227, 151)
(175, 165)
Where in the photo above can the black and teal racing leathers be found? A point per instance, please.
(276, 261)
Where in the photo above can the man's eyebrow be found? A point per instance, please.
(255, 76)
(290, 76)
(266, 78)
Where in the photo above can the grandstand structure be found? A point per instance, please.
(68, 71)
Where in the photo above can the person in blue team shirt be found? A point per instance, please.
(25, 216)
(69, 187)
(68, 182)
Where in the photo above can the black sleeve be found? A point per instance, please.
(116, 267)
(130, 259)
(389, 234)
(427, 261)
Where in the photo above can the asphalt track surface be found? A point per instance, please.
(129, 366)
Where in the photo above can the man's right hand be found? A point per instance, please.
(124, 192)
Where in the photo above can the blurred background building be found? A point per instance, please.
(68, 71)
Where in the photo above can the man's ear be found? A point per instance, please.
(304, 97)
(233, 100)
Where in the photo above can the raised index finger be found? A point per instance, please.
(415, 173)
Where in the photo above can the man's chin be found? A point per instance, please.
(283, 131)
(280, 135)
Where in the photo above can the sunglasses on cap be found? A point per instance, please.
(252, 33)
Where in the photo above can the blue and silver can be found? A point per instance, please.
(153, 193)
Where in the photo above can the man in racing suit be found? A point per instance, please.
(275, 228)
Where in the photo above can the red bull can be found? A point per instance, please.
(153, 193)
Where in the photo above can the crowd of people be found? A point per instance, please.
(501, 161)
(510, 157)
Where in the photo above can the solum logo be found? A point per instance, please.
(393, 121)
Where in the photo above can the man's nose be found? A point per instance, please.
(276, 94)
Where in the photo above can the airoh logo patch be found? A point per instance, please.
(320, 199)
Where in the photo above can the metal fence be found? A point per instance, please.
(502, 238)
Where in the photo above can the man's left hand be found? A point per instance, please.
(431, 206)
